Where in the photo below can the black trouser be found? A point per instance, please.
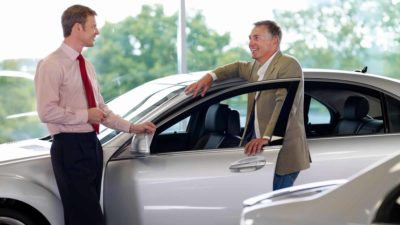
(77, 160)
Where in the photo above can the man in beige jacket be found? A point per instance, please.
(269, 64)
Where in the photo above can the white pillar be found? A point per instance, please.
(181, 39)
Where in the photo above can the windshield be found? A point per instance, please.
(19, 119)
(138, 102)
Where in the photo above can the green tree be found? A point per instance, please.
(206, 48)
(142, 48)
(17, 118)
(234, 54)
(26, 65)
(10, 64)
(345, 34)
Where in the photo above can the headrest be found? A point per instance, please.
(355, 107)
(216, 118)
(233, 126)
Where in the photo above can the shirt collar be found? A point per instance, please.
(264, 67)
(70, 52)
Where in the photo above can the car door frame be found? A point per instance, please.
(127, 189)
(227, 91)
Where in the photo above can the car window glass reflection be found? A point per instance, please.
(318, 113)
(179, 127)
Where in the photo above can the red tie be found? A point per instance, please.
(88, 88)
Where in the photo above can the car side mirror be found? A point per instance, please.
(141, 143)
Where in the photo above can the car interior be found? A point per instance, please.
(213, 127)
(355, 118)
(221, 128)
(330, 109)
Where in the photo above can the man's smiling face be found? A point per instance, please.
(262, 44)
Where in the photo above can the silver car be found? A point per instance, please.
(192, 171)
(370, 197)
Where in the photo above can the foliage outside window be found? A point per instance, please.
(337, 34)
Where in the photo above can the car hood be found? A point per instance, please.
(23, 149)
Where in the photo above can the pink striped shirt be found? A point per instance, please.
(61, 100)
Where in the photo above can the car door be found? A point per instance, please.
(191, 186)
(337, 155)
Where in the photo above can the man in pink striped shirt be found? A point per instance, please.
(76, 152)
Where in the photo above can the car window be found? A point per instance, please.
(202, 129)
(318, 113)
(179, 127)
(238, 103)
(211, 122)
(393, 108)
(337, 109)
(131, 108)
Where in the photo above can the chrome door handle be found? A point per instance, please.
(248, 164)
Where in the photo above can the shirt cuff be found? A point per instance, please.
(213, 75)
(127, 126)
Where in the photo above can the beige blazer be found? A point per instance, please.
(294, 155)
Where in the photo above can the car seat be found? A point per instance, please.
(232, 135)
(355, 120)
(221, 126)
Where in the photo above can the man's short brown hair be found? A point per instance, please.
(75, 14)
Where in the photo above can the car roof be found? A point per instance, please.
(377, 81)
(180, 79)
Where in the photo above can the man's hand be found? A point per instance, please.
(96, 115)
(203, 84)
(142, 128)
(255, 146)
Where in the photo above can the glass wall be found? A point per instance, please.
(138, 40)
